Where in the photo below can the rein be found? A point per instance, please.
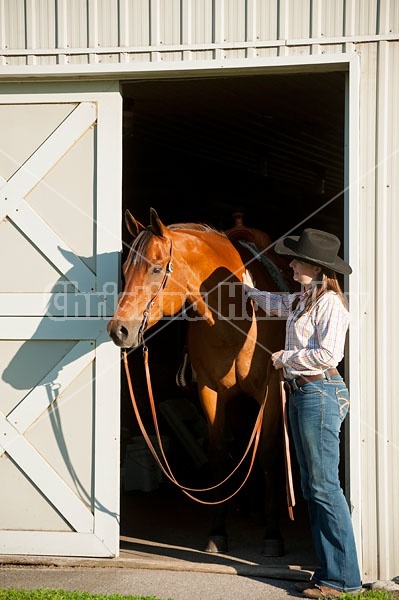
(255, 437)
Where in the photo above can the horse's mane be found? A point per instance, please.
(196, 227)
(140, 244)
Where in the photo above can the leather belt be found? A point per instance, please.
(298, 382)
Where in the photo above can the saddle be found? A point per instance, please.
(261, 246)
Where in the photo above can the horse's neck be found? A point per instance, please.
(205, 252)
(209, 260)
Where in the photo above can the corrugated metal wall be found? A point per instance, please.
(107, 31)
(96, 32)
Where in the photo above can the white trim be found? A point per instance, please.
(109, 215)
(56, 543)
(205, 47)
(47, 328)
(65, 303)
(107, 457)
(147, 69)
(352, 234)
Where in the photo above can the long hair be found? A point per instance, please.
(328, 282)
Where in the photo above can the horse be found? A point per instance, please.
(229, 342)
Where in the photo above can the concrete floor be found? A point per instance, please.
(165, 525)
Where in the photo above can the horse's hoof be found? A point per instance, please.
(273, 547)
(217, 543)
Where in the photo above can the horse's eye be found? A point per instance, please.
(156, 270)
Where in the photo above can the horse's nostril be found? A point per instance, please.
(123, 332)
(118, 333)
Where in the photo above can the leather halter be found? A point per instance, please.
(144, 323)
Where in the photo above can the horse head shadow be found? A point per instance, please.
(66, 303)
(36, 369)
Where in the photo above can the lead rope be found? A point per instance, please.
(289, 486)
(255, 437)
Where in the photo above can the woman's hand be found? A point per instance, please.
(247, 279)
(276, 360)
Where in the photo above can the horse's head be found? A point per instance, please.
(150, 291)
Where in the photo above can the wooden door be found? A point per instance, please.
(60, 215)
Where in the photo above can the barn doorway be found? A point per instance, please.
(271, 148)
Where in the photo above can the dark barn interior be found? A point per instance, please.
(268, 146)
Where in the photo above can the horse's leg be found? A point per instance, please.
(214, 409)
(272, 464)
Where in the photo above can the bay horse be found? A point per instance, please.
(229, 343)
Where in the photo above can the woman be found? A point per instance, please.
(317, 322)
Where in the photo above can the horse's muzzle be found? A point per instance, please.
(120, 334)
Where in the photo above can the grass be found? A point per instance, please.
(47, 594)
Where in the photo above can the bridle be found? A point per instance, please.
(146, 313)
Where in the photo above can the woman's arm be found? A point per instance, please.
(273, 304)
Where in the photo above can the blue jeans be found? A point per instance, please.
(316, 411)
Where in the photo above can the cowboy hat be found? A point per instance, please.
(316, 247)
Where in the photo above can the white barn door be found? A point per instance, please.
(60, 216)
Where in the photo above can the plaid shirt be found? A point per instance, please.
(315, 340)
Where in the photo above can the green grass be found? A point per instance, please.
(47, 594)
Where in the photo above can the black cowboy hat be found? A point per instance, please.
(315, 247)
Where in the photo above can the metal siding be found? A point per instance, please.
(103, 23)
(170, 19)
(367, 406)
(103, 28)
(366, 15)
(202, 21)
(299, 19)
(135, 22)
(331, 19)
(41, 15)
(387, 319)
(304, 50)
(72, 24)
(393, 24)
(234, 18)
(267, 52)
(267, 19)
(14, 22)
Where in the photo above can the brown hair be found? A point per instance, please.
(329, 282)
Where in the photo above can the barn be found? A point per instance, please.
(281, 110)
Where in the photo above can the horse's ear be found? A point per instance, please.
(157, 226)
(134, 227)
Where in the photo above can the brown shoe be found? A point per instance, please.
(321, 591)
(300, 586)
